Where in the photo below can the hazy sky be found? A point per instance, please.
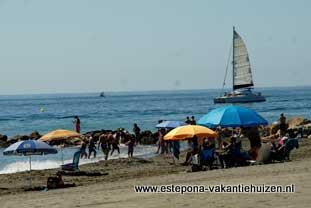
(49, 46)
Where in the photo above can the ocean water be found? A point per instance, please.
(23, 114)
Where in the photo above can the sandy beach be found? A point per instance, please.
(115, 187)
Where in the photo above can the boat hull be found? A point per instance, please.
(249, 98)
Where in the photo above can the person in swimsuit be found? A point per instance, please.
(115, 143)
(104, 144)
(83, 150)
(92, 147)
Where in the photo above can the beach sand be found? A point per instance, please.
(117, 188)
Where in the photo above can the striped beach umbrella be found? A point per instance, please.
(29, 148)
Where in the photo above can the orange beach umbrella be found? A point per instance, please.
(189, 131)
(59, 135)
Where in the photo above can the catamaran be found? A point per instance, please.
(242, 76)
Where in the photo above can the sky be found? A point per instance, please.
(74, 46)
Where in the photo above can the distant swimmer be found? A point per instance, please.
(42, 110)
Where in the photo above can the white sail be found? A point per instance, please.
(242, 75)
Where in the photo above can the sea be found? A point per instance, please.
(23, 114)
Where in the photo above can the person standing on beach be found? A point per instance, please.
(160, 140)
(115, 143)
(92, 147)
(83, 150)
(188, 121)
(255, 141)
(176, 150)
(282, 125)
(104, 144)
(193, 121)
(192, 146)
(76, 121)
(136, 131)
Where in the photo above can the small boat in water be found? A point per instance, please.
(102, 94)
(242, 76)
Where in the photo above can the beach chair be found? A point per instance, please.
(277, 153)
(283, 153)
(290, 144)
(74, 166)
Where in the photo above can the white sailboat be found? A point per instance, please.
(242, 76)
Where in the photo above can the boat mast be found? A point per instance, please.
(233, 58)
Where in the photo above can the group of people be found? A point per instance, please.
(167, 147)
(229, 153)
(191, 120)
(170, 147)
(282, 141)
(108, 143)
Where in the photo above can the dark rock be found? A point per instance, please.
(297, 121)
(35, 135)
(3, 144)
(3, 138)
(24, 137)
(97, 135)
(12, 141)
(147, 137)
(19, 138)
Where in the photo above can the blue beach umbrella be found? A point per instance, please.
(28, 148)
(232, 116)
(170, 124)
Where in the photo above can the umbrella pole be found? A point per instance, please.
(61, 149)
(30, 182)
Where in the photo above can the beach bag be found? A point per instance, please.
(52, 182)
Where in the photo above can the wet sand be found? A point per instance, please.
(116, 188)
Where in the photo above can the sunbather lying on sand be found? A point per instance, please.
(57, 182)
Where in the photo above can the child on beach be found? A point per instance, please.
(131, 144)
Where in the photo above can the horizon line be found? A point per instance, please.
(140, 91)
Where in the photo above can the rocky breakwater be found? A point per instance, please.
(146, 137)
(5, 141)
(300, 125)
